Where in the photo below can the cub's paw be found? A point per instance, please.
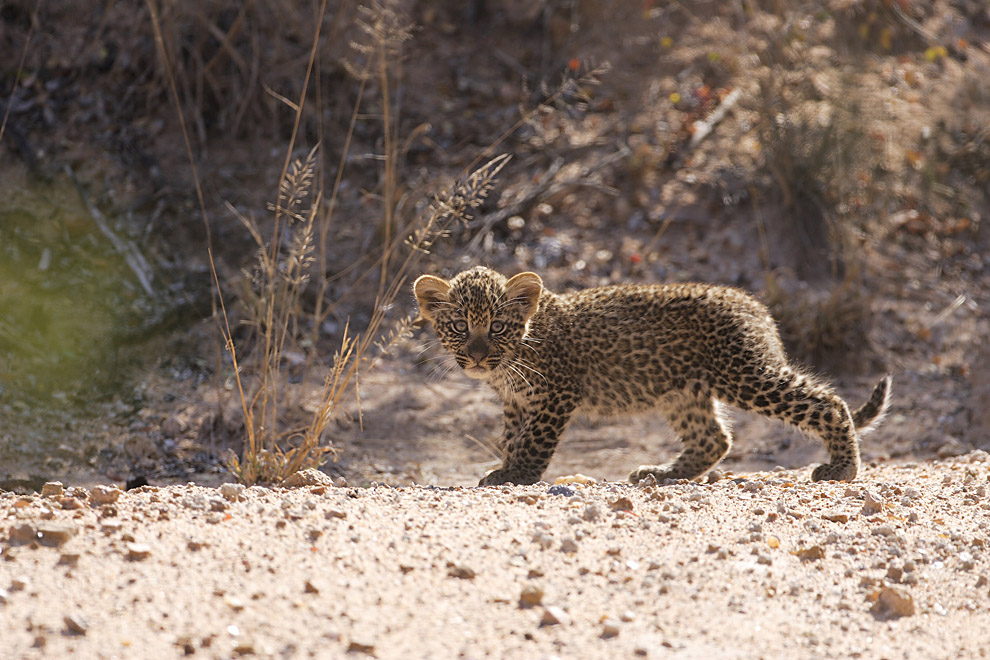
(503, 476)
(659, 473)
(829, 472)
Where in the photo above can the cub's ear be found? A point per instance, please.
(430, 293)
(525, 289)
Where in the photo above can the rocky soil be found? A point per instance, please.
(750, 565)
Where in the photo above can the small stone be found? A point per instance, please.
(569, 546)
(310, 588)
(575, 479)
(4, 596)
(591, 512)
(234, 603)
(542, 539)
(872, 504)
(621, 504)
(308, 477)
(561, 490)
(837, 517)
(232, 492)
(71, 503)
(185, 642)
(110, 526)
(813, 553)
(359, 647)
(217, 504)
(244, 647)
(75, 624)
(56, 534)
(895, 573)
(68, 559)
(892, 602)
(773, 541)
(52, 489)
(531, 596)
(21, 534)
(553, 615)
(138, 551)
(460, 571)
(609, 629)
(627, 616)
(19, 584)
(336, 513)
(649, 481)
(101, 495)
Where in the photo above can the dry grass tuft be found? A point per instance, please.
(823, 327)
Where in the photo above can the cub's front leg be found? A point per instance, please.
(532, 429)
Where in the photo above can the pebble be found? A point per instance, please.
(553, 615)
(138, 551)
(232, 492)
(70, 503)
(110, 526)
(575, 479)
(310, 588)
(360, 647)
(68, 559)
(609, 629)
(52, 489)
(837, 517)
(105, 494)
(460, 571)
(621, 504)
(813, 553)
(21, 534)
(56, 534)
(568, 545)
(531, 596)
(75, 624)
(244, 647)
(542, 539)
(308, 477)
(591, 512)
(893, 602)
(560, 489)
(872, 504)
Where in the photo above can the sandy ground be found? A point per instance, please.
(754, 565)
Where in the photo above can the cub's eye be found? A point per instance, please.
(497, 327)
(460, 326)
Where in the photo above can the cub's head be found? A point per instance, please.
(479, 316)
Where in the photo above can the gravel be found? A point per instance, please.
(727, 569)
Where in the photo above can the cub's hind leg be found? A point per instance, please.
(814, 408)
(697, 419)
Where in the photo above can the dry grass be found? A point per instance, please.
(825, 327)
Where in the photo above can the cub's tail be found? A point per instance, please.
(870, 413)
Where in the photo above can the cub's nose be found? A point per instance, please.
(477, 349)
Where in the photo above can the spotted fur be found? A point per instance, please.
(681, 348)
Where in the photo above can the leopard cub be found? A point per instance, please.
(684, 349)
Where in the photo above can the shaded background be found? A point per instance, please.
(845, 179)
